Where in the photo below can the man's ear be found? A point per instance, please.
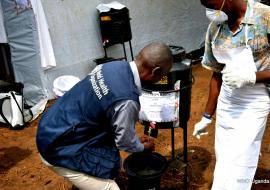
(156, 72)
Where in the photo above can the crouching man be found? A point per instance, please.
(80, 135)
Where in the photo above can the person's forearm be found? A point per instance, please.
(214, 90)
(263, 76)
(124, 118)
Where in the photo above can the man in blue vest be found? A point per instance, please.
(81, 134)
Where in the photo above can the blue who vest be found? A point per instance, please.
(75, 133)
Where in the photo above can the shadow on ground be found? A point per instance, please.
(11, 156)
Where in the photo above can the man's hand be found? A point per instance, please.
(238, 78)
(148, 143)
(200, 127)
(144, 139)
(149, 146)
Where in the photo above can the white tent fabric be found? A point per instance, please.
(3, 35)
(46, 48)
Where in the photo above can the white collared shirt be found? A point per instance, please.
(136, 75)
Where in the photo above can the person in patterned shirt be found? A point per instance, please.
(237, 51)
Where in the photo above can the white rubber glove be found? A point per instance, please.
(238, 78)
(200, 128)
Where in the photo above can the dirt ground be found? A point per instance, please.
(21, 168)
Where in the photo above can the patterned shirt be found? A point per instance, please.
(257, 18)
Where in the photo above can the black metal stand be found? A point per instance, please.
(180, 71)
(131, 51)
(125, 53)
(173, 147)
(124, 50)
(185, 151)
(105, 51)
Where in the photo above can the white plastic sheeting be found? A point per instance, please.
(45, 44)
(3, 35)
(28, 35)
(20, 25)
(46, 49)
